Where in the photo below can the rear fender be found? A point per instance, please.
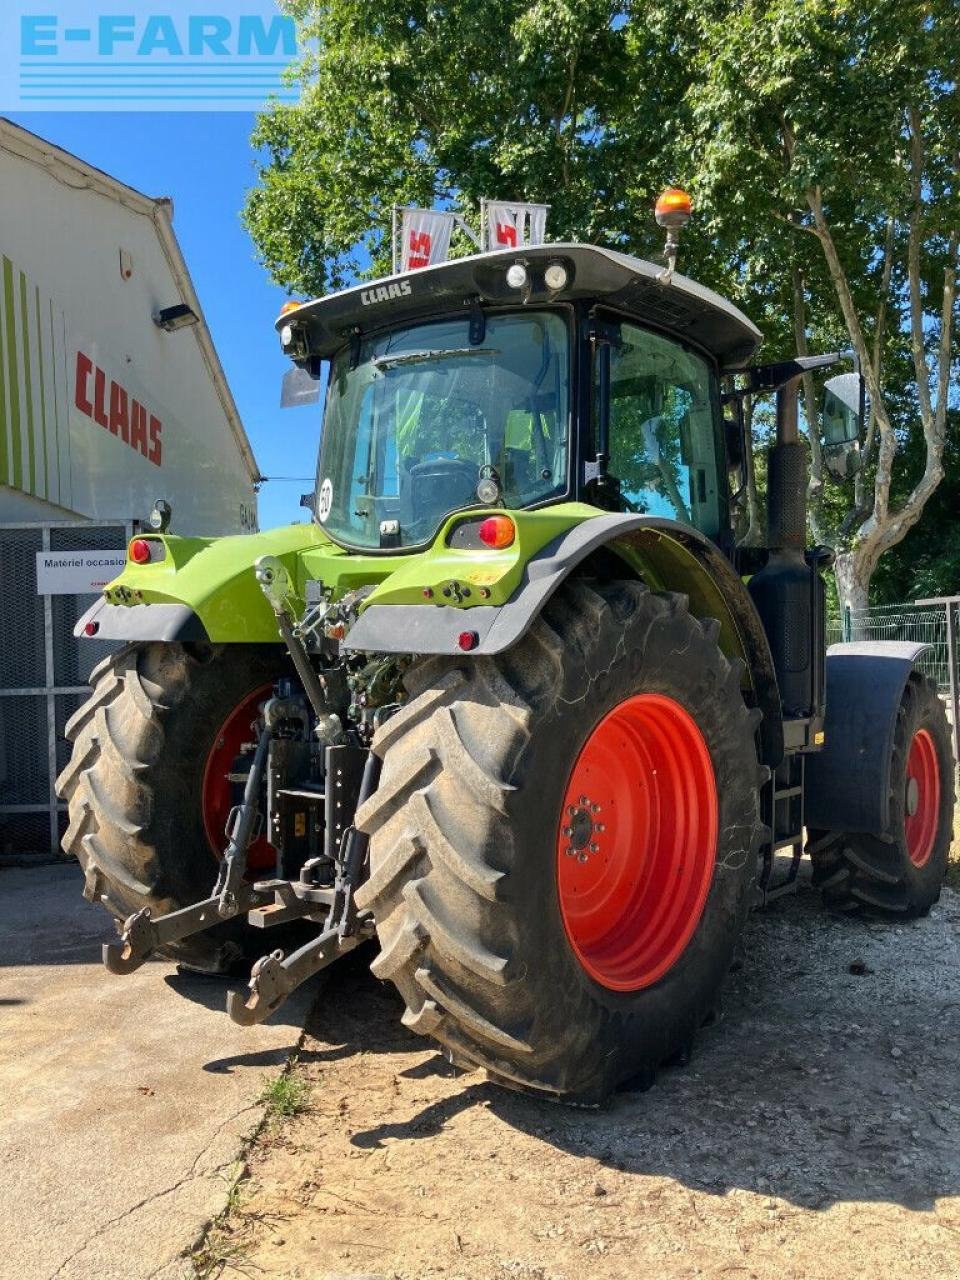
(668, 556)
(847, 784)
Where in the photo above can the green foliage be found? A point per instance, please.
(287, 1095)
(927, 562)
(425, 103)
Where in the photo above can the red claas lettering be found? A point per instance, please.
(84, 374)
(156, 449)
(117, 411)
(100, 398)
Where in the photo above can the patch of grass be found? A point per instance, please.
(220, 1246)
(288, 1095)
(214, 1256)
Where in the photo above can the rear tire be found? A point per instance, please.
(134, 785)
(464, 873)
(901, 877)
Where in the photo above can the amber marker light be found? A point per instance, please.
(673, 208)
(290, 306)
(497, 532)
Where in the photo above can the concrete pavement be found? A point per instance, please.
(123, 1101)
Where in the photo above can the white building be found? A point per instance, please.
(102, 412)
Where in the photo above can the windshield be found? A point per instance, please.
(411, 430)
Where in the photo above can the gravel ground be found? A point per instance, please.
(815, 1133)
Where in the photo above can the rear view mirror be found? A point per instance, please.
(844, 410)
(299, 387)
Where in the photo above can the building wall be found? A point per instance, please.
(17, 507)
(101, 412)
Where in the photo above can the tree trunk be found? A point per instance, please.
(754, 533)
(853, 576)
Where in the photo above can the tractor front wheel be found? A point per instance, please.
(903, 875)
(564, 842)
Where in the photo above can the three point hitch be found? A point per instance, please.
(321, 895)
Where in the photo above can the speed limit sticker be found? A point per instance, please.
(325, 501)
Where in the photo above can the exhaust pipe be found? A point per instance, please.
(787, 591)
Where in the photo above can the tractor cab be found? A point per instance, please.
(519, 379)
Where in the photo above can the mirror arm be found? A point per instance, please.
(771, 377)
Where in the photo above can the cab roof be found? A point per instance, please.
(681, 307)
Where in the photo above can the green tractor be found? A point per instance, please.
(514, 705)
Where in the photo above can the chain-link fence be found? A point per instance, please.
(921, 623)
(931, 622)
(43, 674)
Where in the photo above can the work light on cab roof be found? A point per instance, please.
(672, 210)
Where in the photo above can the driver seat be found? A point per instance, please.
(431, 489)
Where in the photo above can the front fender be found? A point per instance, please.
(847, 784)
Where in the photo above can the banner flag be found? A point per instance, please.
(425, 237)
(511, 225)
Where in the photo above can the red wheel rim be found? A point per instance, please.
(637, 842)
(922, 800)
(217, 788)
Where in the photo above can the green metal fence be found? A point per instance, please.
(921, 623)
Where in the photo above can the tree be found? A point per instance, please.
(417, 102)
(820, 138)
(834, 126)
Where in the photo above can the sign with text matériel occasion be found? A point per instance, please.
(77, 573)
(111, 55)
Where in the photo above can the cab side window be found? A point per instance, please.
(664, 423)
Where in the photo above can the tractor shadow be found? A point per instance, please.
(826, 1079)
(362, 1008)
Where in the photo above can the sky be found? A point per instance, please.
(205, 163)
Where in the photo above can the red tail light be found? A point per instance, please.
(146, 551)
(497, 532)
